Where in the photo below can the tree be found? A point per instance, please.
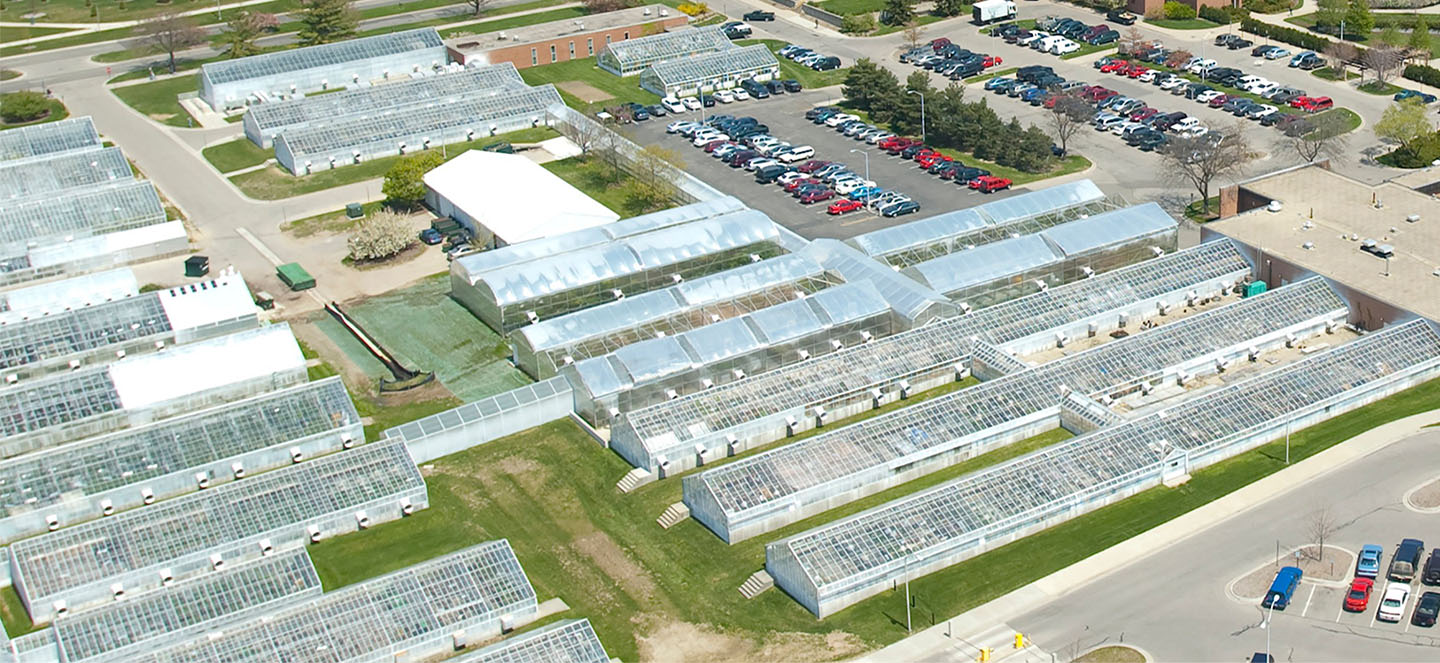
(1131, 41)
(1326, 139)
(242, 30)
(326, 21)
(1339, 53)
(170, 32)
(1178, 11)
(1403, 122)
(868, 82)
(478, 5)
(1391, 35)
(1321, 526)
(1419, 43)
(898, 12)
(1069, 115)
(379, 236)
(1358, 19)
(1199, 161)
(1329, 14)
(1177, 58)
(23, 106)
(602, 6)
(913, 33)
(649, 185)
(1385, 61)
(404, 184)
(948, 7)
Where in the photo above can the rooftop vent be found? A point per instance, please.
(1275, 206)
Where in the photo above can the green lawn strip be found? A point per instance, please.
(595, 179)
(1329, 74)
(1195, 211)
(514, 22)
(1070, 164)
(1351, 118)
(1023, 24)
(273, 183)
(78, 11)
(1307, 21)
(851, 7)
(8, 74)
(920, 19)
(1113, 654)
(994, 74)
(29, 32)
(621, 89)
(64, 42)
(1182, 23)
(1378, 88)
(713, 19)
(58, 112)
(809, 78)
(13, 614)
(159, 100)
(384, 417)
(330, 222)
(235, 155)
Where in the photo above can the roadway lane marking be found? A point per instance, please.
(1308, 599)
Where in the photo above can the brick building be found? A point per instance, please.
(561, 41)
(1145, 7)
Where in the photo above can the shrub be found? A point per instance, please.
(1215, 15)
(379, 236)
(1418, 154)
(1423, 73)
(858, 24)
(693, 8)
(404, 184)
(1178, 11)
(1301, 38)
(1402, 4)
(1269, 6)
(25, 106)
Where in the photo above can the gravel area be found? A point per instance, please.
(1427, 497)
(1335, 566)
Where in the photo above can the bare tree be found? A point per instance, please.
(1067, 117)
(913, 34)
(649, 185)
(479, 5)
(1132, 41)
(1178, 58)
(1326, 139)
(1385, 61)
(1200, 160)
(1339, 54)
(170, 32)
(1321, 526)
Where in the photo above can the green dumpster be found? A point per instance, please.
(1255, 288)
(295, 276)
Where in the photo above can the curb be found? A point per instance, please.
(1405, 499)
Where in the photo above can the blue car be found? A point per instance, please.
(865, 193)
(1283, 588)
(1368, 565)
(431, 236)
(997, 82)
(1035, 96)
(1415, 94)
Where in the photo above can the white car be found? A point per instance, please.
(1263, 113)
(1264, 87)
(876, 138)
(1206, 96)
(740, 94)
(691, 103)
(844, 188)
(842, 117)
(1108, 123)
(1392, 607)
(724, 96)
(1065, 47)
(797, 154)
(702, 140)
(1123, 127)
(1184, 125)
(1148, 76)
(773, 149)
(757, 164)
(679, 126)
(672, 105)
(790, 177)
(1201, 67)
(725, 150)
(1172, 82)
(1034, 36)
(1244, 81)
(1195, 131)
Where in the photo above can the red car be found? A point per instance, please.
(812, 166)
(710, 146)
(991, 60)
(897, 144)
(923, 153)
(844, 205)
(1318, 104)
(1302, 102)
(939, 43)
(1358, 598)
(816, 196)
(1136, 70)
(990, 183)
(1220, 100)
(1114, 66)
(928, 159)
(1143, 114)
(796, 185)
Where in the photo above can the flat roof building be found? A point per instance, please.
(1323, 222)
(563, 40)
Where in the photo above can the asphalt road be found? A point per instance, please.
(1173, 604)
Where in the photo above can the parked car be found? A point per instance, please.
(1431, 575)
(815, 196)
(1121, 16)
(843, 206)
(431, 236)
(900, 208)
(791, 85)
(990, 183)
(1282, 589)
(1392, 606)
(1358, 598)
(1415, 94)
(1406, 561)
(1426, 609)
(1367, 565)
(758, 15)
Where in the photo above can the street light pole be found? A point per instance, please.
(922, 113)
(907, 595)
(1265, 626)
(867, 163)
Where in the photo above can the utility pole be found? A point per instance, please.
(867, 163)
(922, 113)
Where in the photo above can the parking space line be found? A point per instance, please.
(1309, 598)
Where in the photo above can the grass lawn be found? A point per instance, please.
(65, 42)
(1182, 23)
(1351, 118)
(1196, 211)
(514, 22)
(621, 90)
(8, 74)
(10, 34)
(851, 7)
(384, 416)
(1379, 88)
(550, 491)
(274, 183)
(329, 222)
(1112, 654)
(78, 11)
(12, 612)
(235, 155)
(596, 180)
(1070, 164)
(57, 112)
(1023, 24)
(1329, 74)
(920, 19)
(159, 100)
(809, 78)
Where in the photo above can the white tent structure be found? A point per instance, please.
(506, 198)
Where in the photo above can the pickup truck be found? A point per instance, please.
(1406, 561)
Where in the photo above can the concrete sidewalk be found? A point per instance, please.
(934, 644)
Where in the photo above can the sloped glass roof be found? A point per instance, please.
(907, 298)
(784, 322)
(520, 398)
(627, 312)
(81, 212)
(570, 641)
(849, 302)
(53, 174)
(1042, 201)
(714, 65)
(983, 264)
(880, 242)
(1114, 227)
(723, 339)
(640, 51)
(749, 278)
(654, 359)
(683, 242)
(324, 55)
(76, 133)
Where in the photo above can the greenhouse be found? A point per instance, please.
(350, 63)
(57, 296)
(914, 303)
(124, 630)
(1001, 271)
(943, 234)
(510, 297)
(692, 75)
(79, 213)
(39, 140)
(55, 175)
(632, 56)
(784, 485)
(264, 122)
(569, 641)
(197, 534)
(490, 418)
(78, 481)
(760, 409)
(101, 333)
(543, 348)
(48, 411)
(408, 129)
(84, 255)
(663, 368)
(418, 613)
(842, 563)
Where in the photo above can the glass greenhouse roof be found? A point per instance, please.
(717, 64)
(510, 401)
(325, 55)
(907, 298)
(376, 619)
(39, 404)
(982, 264)
(886, 360)
(640, 51)
(675, 215)
(76, 133)
(722, 340)
(55, 296)
(51, 175)
(81, 212)
(157, 619)
(800, 472)
(570, 641)
(407, 122)
(1114, 227)
(786, 322)
(50, 565)
(602, 319)
(274, 116)
(654, 359)
(1043, 201)
(731, 283)
(82, 329)
(97, 464)
(873, 545)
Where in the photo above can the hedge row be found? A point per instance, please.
(1215, 15)
(1423, 73)
(1402, 4)
(1301, 38)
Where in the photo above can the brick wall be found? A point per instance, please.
(521, 54)
(1144, 7)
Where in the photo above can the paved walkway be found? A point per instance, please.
(939, 642)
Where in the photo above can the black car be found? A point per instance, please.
(814, 113)
(1239, 43)
(791, 85)
(1121, 16)
(900, 209)
(1426, 609)
(775, 87)
(964, 174)
(756, 90)
(655, 110)
(826, 64)
(758, 15)
(769, 174)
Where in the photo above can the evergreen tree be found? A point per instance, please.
(948, 7)
(898, 12)
(867, 82)
(325, 21)
(1358, 19)
(240, 34)
(1420, 37)
(1329, 14)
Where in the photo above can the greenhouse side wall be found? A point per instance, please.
(487, 419)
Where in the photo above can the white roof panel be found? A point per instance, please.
(187, 369)
(514, 197)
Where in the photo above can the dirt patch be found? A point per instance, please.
(601, 550)
(1426, 497)
(584, 91)
(682, 642)
(1334, 566)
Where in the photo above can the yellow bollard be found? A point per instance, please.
(984, 654)
(1019, 640)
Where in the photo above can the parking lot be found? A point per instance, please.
(785, 117)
